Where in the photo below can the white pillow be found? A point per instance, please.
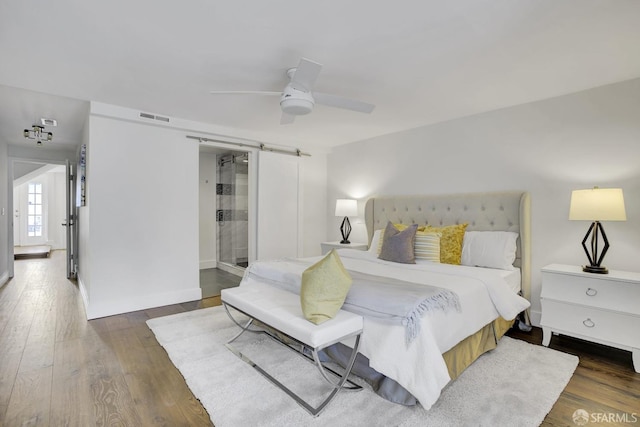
(375, 242)
(493, 249)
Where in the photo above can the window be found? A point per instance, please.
(34, 213)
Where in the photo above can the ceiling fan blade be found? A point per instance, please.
(306, 74)
(340, 102)
(287, 119)
(244, 92)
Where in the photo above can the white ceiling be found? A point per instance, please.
(420, 62)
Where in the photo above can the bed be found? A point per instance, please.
(408, 365)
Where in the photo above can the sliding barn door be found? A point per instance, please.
(278, 233)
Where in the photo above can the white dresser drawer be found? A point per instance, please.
(603, 308)
(592, 290)
(593, 323)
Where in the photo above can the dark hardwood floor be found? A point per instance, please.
(214, 280)
(58, 369)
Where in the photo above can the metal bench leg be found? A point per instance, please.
(242, 327)
(337, 386)
(348, 368)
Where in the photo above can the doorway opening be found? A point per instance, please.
(38, 209)
(224, 218)
(232, 210)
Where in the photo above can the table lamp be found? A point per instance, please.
(346, 208)
(595, 205)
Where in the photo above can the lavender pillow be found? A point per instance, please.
(397, 246)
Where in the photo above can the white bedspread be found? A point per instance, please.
(419, 367)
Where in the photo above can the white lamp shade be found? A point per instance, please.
(346, 207)
(597, 204)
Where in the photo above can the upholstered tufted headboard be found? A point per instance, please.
(503, 211)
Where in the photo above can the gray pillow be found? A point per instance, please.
(397, 246)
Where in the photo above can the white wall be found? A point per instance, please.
(142, 200)
(58, 213)
(207, 210)
(313, 171)
(5, 182)
(547, 148)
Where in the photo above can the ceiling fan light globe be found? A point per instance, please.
(296, 106)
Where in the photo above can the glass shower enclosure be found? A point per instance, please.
(232, 198)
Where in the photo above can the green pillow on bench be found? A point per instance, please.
(325, 286)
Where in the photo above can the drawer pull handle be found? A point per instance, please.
(591, 292)
(588, 323)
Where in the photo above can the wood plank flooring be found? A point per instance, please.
(58, 369)
(214, 280)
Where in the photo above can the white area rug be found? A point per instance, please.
(514, 385)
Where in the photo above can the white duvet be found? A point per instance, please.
(419, 367)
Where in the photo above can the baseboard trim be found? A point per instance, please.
(238, 271)
(85, 296)
(208, 264)
(4, 279)
(141, 302)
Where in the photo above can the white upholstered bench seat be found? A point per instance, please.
(282, 311)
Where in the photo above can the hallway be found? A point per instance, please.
(57, 368)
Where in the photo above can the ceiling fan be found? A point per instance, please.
(298, 97)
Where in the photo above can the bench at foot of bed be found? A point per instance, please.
(281, 311)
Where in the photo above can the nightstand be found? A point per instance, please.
(327, 246)
(602, 308)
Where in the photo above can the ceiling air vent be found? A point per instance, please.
(154, 117)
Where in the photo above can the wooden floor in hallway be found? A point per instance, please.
(58, 369)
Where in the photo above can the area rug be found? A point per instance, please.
(514, 385)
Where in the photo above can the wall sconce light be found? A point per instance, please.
(37, 132)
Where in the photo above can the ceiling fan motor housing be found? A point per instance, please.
(296, 102)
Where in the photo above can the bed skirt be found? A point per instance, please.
(474, 346)
(457, 360)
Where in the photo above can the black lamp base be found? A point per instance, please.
(595, 260)
(345, 230)
(595, 269)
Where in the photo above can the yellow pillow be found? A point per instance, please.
(401, 227)
(325, 286)
(450, 242)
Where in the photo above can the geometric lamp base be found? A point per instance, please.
(595, 269)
